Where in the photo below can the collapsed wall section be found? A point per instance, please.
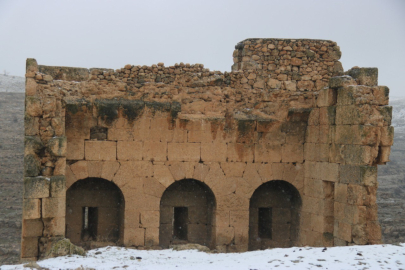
(281, 114)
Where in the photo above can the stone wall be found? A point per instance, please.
(286, 112)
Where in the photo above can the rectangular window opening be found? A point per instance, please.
(180, 220)
(90, 220)
(265, 222)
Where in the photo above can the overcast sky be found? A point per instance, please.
(110, 34)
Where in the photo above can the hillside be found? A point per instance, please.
(11, 173)
(391, 178)
(14, 84)
(391, 193)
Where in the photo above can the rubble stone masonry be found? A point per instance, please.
(282, 151)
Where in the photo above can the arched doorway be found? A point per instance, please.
(187, 214)
(94, 213)
(274, 215)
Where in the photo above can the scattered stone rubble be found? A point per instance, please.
(287, 122)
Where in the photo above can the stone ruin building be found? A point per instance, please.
(280, 152)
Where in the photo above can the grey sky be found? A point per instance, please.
(110, 34)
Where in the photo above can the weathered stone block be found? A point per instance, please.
(384, 154)
(373, 231)
(313, 188)
(58, 186)
(153, 187)
(49, 107)
(31, 208)
(329, 171)
(36, 187)
(75, 149)
(339, 242)
(129, 150)
(58, 126)
(347, 115)
(326, 134)
(233, 169)
(57, 146)
(134, 237)
(225, 235)
(381, 94)
(155, 151)
(70, 177)
(359, 234)
(313, 119)
(54, 226)
(215, 151)
(350, 174)
(100, 150)
(32, 145)
(29, 247)
(32, 165)
(60, 167)
(366, 135)
(386, 114)
(151, 237)
(345, 231)
(181, 170)
(80, 169)
(292, 153)
(53, 207)
(121, 134)
(30, 87)
(32, 228)
(317, 223)
(326, 98)
(184, 151)
(162, 174)
(94, 168)
(33, 106)
(267, 153)
(238, 152)
(387, 136)
(109, 169)
(341, 193)
(368, 175)
(312, 205)
(356, 194)
(31, 125)
(150, 219)
(359, 154)
(295, 132)
(200, 171)
(364, 76)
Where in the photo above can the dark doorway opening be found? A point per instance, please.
(180, 223)
(90, 220)
(94, 213)
(187, 214)
(274, 214)
(265, 222)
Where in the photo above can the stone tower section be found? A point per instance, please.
(282, 151)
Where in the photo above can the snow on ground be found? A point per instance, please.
(351, 257)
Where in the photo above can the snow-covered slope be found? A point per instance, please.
(398, 113)
(351, 257)
(10, 83)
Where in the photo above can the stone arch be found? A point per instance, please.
(274, 213)
(94, 213)
(187, 214)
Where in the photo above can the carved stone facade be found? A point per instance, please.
(280, 152)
